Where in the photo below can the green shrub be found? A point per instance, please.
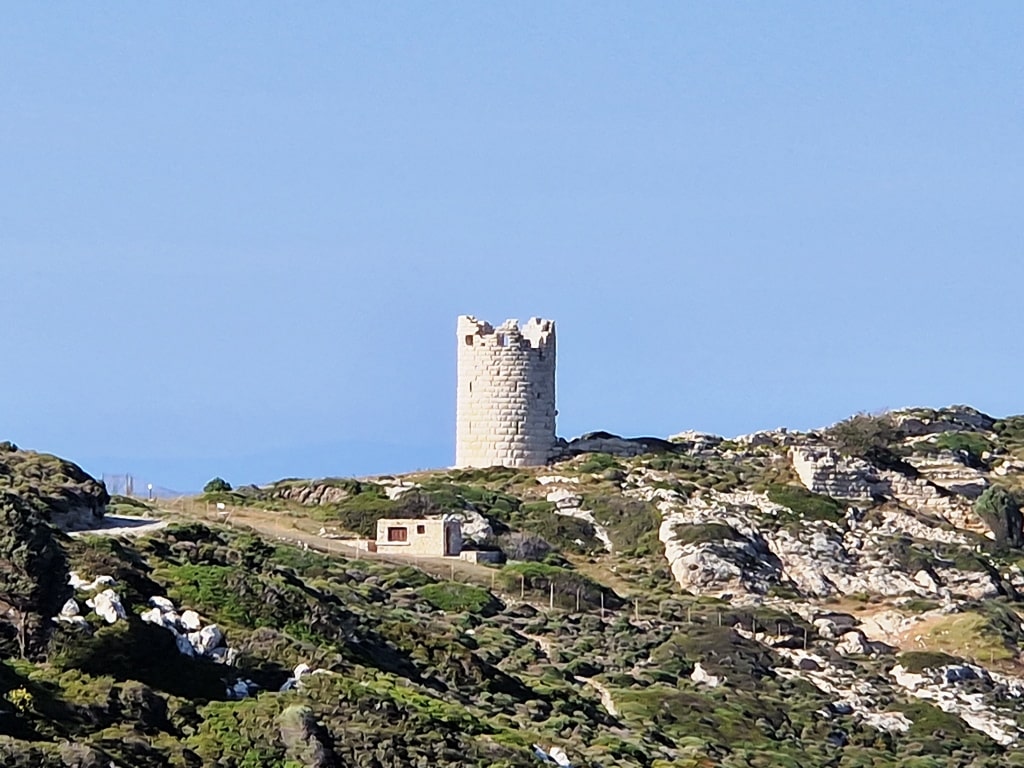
(1000, 510)
(699, 533)
(538, 579)
(598, 462)
(918, 661)
(359, 513)
(867, 436)
(453, 597)
(804, 504)
(217, 485)
(971, 443)
(569, 534)
(632, 524)
(1011, 432)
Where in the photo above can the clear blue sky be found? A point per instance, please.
(234, 237)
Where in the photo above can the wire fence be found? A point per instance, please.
(512, 589)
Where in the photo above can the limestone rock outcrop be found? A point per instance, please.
(915, 422)
(824, 470)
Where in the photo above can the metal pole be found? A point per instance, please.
(522, 587)
(577, 599)
(602, 605)
(551, 596)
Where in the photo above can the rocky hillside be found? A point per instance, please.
(847, 597)
(62, 491)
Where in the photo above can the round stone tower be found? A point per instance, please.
(506, 396)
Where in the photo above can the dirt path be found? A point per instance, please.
(603, 692)
(303, 531)
(543, 643)
(546, 647)
(122, 525)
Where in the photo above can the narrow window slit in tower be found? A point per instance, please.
(502, 340)
(469, 341)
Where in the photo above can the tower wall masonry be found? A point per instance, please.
(505, 410)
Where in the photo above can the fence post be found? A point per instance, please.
(577, 599)
(522, 587)
(602, 605)
(551, 596)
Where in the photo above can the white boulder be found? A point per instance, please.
(293, 681)
(853, 644)
(70, 613)
(108, 605)
(206, 639)
(163, 603)
(80, 584)
(702, 677)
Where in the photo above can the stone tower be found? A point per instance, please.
(506, 395)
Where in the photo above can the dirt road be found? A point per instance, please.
(303, 531)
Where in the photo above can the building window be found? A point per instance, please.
(502, 340)
(469, 341)
(421, 529)
(398, 534)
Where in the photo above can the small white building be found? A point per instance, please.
(427, 537)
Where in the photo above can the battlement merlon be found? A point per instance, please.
(539, 333)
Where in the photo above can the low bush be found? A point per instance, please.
(453, 597)
(598, 462)
(804, 504)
